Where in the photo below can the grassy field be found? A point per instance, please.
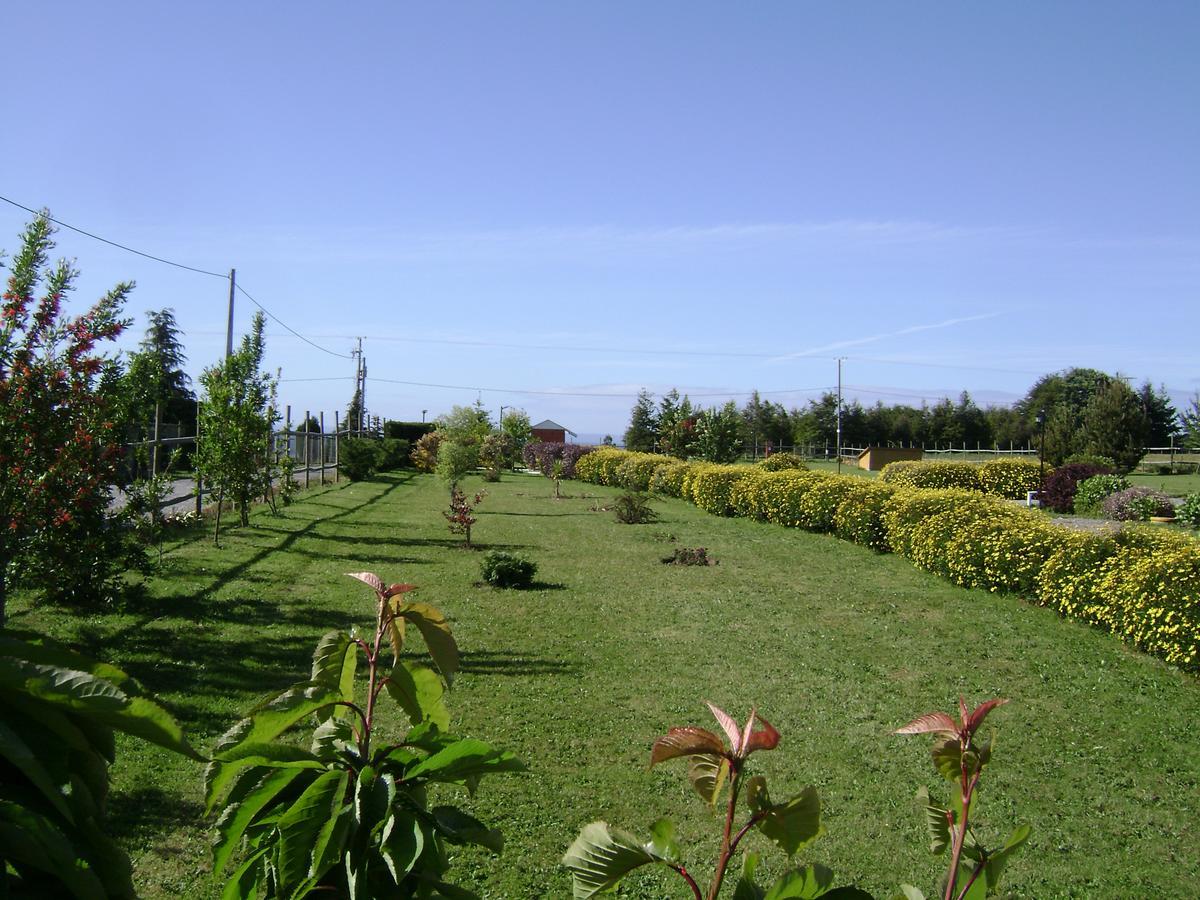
(1171, 485)
(836, 646)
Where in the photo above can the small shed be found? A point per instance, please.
(548, 430)
(875, 458)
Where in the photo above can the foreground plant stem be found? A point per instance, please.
(960, 836)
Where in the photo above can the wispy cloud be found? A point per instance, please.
(870, 339)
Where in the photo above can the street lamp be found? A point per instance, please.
(423, 415)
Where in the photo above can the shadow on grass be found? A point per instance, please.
(511, 662)
(535, 515)
(141, 816)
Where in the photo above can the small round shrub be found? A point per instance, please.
(508, 570)
(358, 458)
(394, 453)
(1189, 511)
(1091, 493)
(1010, 478)
(778, 461)
(425, 452)
(1058, 489)
(1137, 504)
(893, 472)
(633, 508)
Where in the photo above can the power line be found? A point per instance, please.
(652, 351)
(623, 396)
(102, 240)
(243, 291)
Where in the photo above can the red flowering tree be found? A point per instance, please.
(57, 453)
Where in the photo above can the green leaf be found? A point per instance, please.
(792, 825)
(334, 662)
(746, 888)
(401, 844)
(250, 795)
(662, 840)
(463, 759)
(708, 774)
(436, 632)
(327, 850)
(300, 827)
(92, 696)
(459, 828)
(22, 757)
(994, 867)
(332, 738)
(419, 692)
(935, 821)
(373, 797)
(32, 840)
(801, 884)
(601, 856)
(243, 884)
(947, 758)
(908, 892)
(849, 892)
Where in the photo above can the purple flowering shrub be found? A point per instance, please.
(543, 454)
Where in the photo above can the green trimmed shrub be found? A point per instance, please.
(1011, 478)
(1004, 553)
(1137, 504)
(507, 570)
(859, 517)
(358, 458)
(394, 454)
(927, 537)
(1091, 493)
(778, 461)
(932, 475)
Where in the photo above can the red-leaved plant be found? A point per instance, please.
(602, 855)
(461, 514)
(960, 759)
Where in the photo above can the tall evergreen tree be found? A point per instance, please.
(1161, 415)
(155, 376)
(642, 433)
(1115, 424)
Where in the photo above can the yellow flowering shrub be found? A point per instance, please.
(667, 478)
(932, 475)
(746, 495)
(935, 520)
(777, 461)
(1009, 477)
(1155, 602)
(859, 517)
(710, 487)
(909, 507)
(818, 505)
(1003, 553)
(781, 493)
(600, 465)
(635, 471)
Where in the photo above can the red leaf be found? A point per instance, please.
(976, 718)
(728, 725)
(687, 741)
(369, 578)
(766, 738)
(930, 723)
(395, 589)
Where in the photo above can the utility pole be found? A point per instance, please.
(363, 394)
(356, 426)
(839, 416)
(229, 326)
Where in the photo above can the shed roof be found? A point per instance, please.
(550, 425)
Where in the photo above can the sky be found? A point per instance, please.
(554, 205)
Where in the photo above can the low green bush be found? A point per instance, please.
(1011, 478)
(778, 461)
(507, 570)
(633, 508)
(358, 458)
(1091, 493)
(394, 453)
(859, 517)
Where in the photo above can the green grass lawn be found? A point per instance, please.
(836, 646)
(1171, 485)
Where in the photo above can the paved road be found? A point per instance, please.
(180, 497)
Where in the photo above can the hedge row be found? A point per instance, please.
(1142, 584)
(1009, 478)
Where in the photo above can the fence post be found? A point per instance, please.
(154, 448)
(322, 447)
(337, 428)
(307, 456)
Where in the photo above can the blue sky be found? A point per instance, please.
(563, 203)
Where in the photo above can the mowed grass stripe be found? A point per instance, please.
(836, 647)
